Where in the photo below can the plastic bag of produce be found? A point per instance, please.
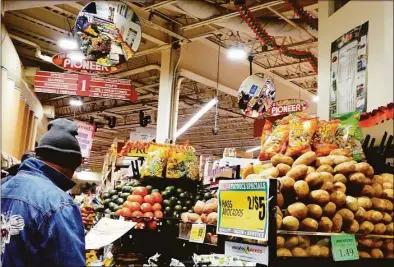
(155, 161)
(323, 141)
(275, 143)
(300, 136)
(349, 134)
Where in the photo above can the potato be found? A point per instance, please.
(314, 211)
(366, 242)
(299, 252)
(309, 224)
(389, 255)
(324, 252)
(278, 222)
(367, 190)
(329, 209)
(377, 179)
(389, 228)
(327, 177)
(304, 242)
(280, 241)
(360, 214)
(298, 210)
(387, 218)
(280, 158)
(320, 196)
(378, 190)
(389, 204)
(290, 223)
(337, 222)
(378, 204)
(341, 152)
(283, 252)
(373, 216)
(269, 173)
(338, 186)
(346, 214)
(376, 253)
(313, 251)
(325, 225)
(362, 167)
(301, 189)
(283, 169)
(366, 227)
(376, 243)
(286, 183)
(313, 179)
(291, 242)
(364, 202)
(338, 197)
(351, 203)
(358, 178)
(388, 244)
(310, 169)
(387, 177)
(339, 177)
(338, 159)
(325, 168)
(352, 227)
(266, 166)
(297, 172)
(279, 212)
(327, 186)
(379, 229)
(345, 168)
(370, 172)
(367, 181)
(364, 255)
(308, 158)
(387, 186)
(279, 199)
(324, 161)
(388, 193)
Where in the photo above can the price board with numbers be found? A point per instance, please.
(243, 208)
(197, 233)
(344, 247)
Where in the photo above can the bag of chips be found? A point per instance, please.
(182, 163)
(275, 143)
(300, 136)
(324, 139)
(267, 130)
(155, 161)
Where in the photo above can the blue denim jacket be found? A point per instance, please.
(40, 224)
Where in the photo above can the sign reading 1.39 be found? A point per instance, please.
(246, 202)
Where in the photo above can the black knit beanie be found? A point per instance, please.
(59, 145)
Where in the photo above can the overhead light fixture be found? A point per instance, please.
(195, 118)
(253, 149)
(75, 102)
(68, 44)
(315, 98)
(236, 53)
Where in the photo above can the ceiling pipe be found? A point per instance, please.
(38, 48)
(138, 70)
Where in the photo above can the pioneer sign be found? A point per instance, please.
(285, 106)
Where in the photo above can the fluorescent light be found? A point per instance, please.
(236, 53)
(315, 98)
(254, 149)
(195, 118)
(75, 102)
(76, 56)
(68, 44)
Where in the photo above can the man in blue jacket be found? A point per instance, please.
(40, 224)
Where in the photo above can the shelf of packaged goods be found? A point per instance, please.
(302, 233)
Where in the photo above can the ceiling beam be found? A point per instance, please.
(27, 34)
(301, 77)
(287, 64)
(158, 5)
(61, 12)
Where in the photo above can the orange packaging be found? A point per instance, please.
(275, 143)
(300, 136)
(267, 130)
(324, 140)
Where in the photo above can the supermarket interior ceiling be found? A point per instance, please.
(203, 28)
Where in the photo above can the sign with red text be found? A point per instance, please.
(85, 137)
(84, 85)
(285, 106)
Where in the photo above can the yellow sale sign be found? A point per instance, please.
(243, 208)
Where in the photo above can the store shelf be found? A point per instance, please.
(125, 161)
(302, 233)
(208, 244)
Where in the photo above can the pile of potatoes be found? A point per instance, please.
(302, 246)
(375, 248)
(332, 194)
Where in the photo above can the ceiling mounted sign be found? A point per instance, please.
(285, 106)
(256, 95)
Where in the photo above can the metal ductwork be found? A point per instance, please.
(38, 48)
(137, 70)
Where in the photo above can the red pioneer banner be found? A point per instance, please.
(84, 85)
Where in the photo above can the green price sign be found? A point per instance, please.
(344, 248)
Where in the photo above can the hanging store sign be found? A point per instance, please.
(246, 202)
(286, 106)
(85, 137)
(84, 85)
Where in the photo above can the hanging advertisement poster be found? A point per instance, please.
(348, 85)
(85, 137)
(256, 94)
(246, 202)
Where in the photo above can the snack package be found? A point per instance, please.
(324, 139)
(182, 163)
(275, 143)
(293, 116)
(349, 134)
(155, 161)
(191, 164)
(300, 136)
(267, 130)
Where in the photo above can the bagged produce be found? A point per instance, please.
(300, 135)
(323, 141)
(275, 143)
(155, 161)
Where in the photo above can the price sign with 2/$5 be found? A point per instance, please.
(344, 248)
(243, 208)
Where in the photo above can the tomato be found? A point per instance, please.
(140, 225)
(149, 199)
(133, 206)
(148, 214)
(157, 196)
(152, 225)
(158, 214)
(135, 198)
(118, 212)
(125, 212)
(137, 213)
(142, 191)
(146, 207)
(156, 207)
